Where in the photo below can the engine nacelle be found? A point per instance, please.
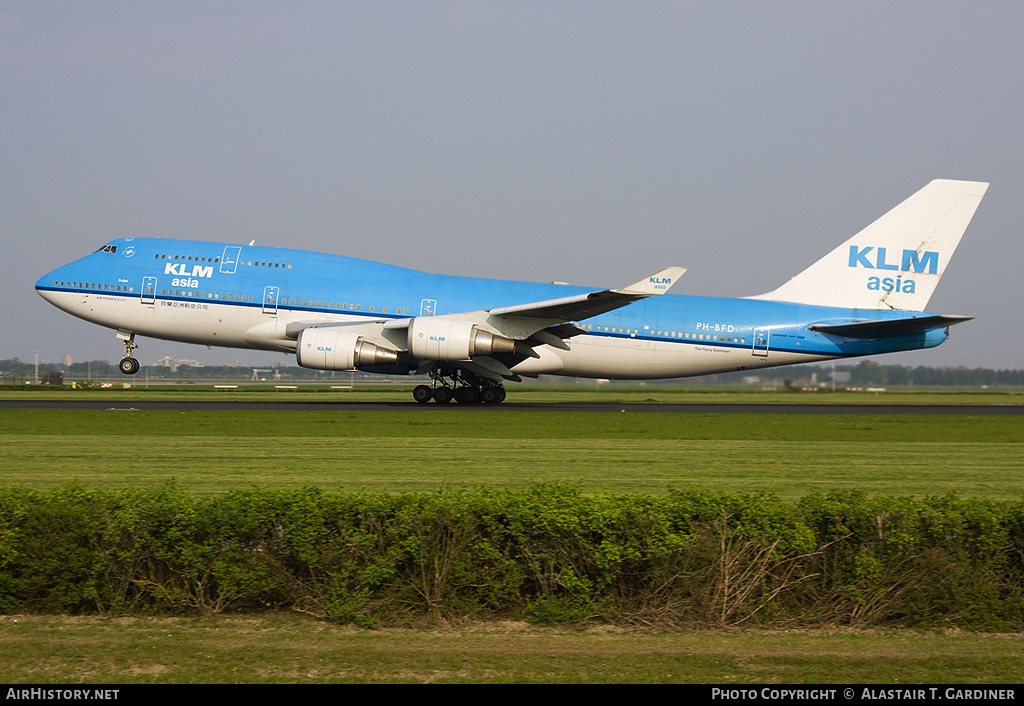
(438, 338)
(333, 348)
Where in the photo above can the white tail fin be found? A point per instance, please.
(896, 261)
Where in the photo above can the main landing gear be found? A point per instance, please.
(464, 388)
(128, 364)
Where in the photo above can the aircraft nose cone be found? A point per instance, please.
(45, 283)
(48, 286)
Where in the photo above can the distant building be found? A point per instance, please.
(175, 363)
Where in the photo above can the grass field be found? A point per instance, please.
(428, 449)
(519, 394)
(292, 649)
(424, 449)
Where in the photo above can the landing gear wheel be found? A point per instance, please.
(128, 366)
(443, 395)
(422, 394)
(493, 395)
(467, 395)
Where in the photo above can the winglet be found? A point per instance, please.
(656, 284)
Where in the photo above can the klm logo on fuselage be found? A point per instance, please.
(186, 277)
(876, 258)
(181, 269)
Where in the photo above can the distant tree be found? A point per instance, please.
(867, 372)
(12, 365)
(898, 375)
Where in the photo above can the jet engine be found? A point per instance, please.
(334, 348)
(438, 338)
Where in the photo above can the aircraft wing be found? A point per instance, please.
(888, 328)
(521, 321)
(584, 306)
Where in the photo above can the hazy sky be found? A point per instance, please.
(586, 142)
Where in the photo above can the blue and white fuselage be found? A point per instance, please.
(335, 312)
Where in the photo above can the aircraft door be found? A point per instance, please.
(761, 336)
(148, 290)
(428, 307)
(270, 299)
(229, 260)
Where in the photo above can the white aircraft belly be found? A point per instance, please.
(637, 359)
(201, 321)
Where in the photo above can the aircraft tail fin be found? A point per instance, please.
(896, 262)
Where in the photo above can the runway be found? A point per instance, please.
(332, 406)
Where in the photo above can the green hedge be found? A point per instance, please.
(549, 554)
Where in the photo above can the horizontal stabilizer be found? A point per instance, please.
(888, 328)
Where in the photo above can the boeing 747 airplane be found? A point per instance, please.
(470, 335)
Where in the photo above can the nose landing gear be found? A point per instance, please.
(128, 365)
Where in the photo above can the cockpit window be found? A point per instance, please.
(108, 248)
